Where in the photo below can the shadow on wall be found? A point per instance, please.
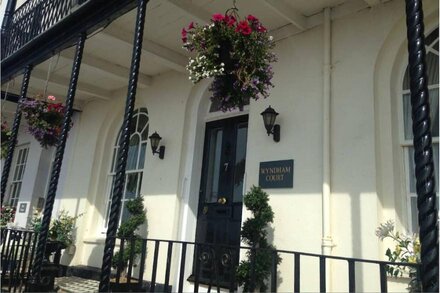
(270, 239)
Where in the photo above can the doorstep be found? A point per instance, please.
(76, 285)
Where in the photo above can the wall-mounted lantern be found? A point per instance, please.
(155, 140)
(269, 117)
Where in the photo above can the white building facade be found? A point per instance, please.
(341, 91)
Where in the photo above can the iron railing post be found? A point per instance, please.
(9, 11)
(118, 187)
(14, 131)
(423, 155)
(56, 168)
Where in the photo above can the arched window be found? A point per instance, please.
(135, 161)
(432, 55)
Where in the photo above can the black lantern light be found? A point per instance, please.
(155, 140)
(269, 117)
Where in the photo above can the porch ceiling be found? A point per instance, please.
(107, 53)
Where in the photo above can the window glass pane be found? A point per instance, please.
(16, 173)
(414, 221)
(143, 120)
(411, 171)
(433, 101)
(432, 68)
(212, 182)
(144, 134)
(142, 156)
(113, 166)
(240, 162)
(435, 150)
(125, 214)
(132, 126)
(25, 154)
(406, 79)
(118, 140)
(407, 119)
(133, 152)
(431, 37)
(131, 186)
(19, 158)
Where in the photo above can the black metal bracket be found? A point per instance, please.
(276, 132)
(161, 152)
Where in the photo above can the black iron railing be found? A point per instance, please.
(214, 266)
(17, 252)
(33, 18)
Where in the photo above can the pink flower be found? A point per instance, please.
(191, 25)
(184, 32)
(218, 17)
(251, 18)
(51, 98)
(230, 20)
(262, 29)
(244, 28)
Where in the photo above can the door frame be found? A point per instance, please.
(194, 128)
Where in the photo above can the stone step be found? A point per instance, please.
(76, 285)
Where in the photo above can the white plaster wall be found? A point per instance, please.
(85, 191)
(357, 42)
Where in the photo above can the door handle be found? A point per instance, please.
(222, 200)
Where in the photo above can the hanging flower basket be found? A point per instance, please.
(6, 136)
(45, 119)
(236, 53)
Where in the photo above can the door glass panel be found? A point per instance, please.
(214, 160)
(240, 162)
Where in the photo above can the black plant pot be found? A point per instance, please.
(224, 55)
(52, 247)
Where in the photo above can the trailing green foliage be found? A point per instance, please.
(254, 233)
(127, 230)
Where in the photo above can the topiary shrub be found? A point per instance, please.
(127, 230)
(254, 233)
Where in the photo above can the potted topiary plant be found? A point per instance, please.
(127, 232)
(254, 234)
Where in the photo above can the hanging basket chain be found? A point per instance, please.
(49, 71)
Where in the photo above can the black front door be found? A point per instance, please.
(221, 198)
